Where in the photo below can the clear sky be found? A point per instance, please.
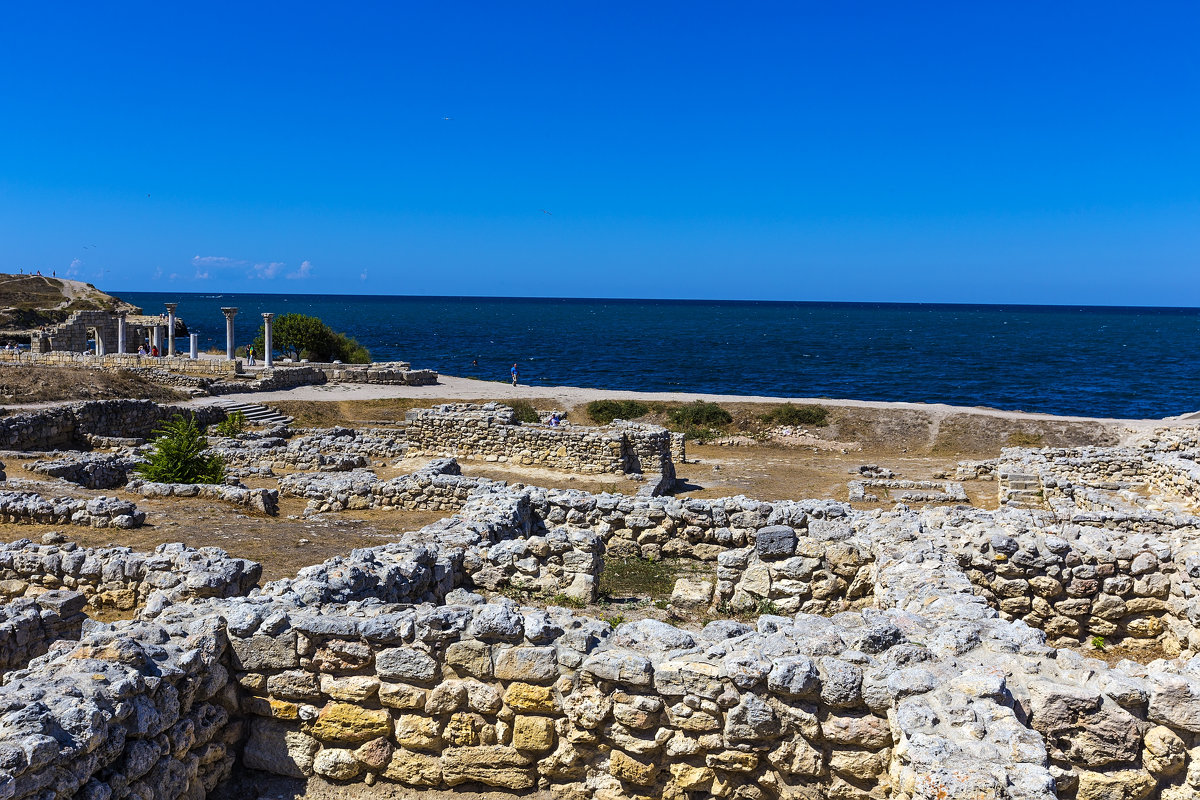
(959, 151)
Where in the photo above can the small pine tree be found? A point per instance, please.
(178, 455)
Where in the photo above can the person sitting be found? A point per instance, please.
(154, 351)
(141, 349)
(554, 420)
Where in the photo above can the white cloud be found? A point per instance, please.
(173, 276)
(362, 276)
(303, 272)
(157, 273)
(267, 269)
(73, 269)
(201, 275)
(201, 261)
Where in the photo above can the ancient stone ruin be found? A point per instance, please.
(838, 652)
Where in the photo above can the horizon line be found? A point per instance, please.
(680, 300)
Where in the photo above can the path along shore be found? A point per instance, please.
(450, 387)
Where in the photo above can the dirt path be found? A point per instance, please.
(451, 387)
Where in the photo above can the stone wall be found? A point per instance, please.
(89, 470)
(490, 432)
(117, 577)
(29, 625)
(70, 426)
(264, 501)
(31, 508)
(326, 449)
(202, 367)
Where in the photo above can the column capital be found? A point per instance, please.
(229, 311)
(268, 314)
(171, 306)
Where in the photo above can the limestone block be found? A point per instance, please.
(343, 722)
(414, 769)
(275, 748)
(631, 770)
(1125, 784)
(258, 653)
(495, 765)
(533, 734)
(1163, 753)
(406, 664)
(416, 732)
(528, 664)
(336, 763)
(692, 593)
(531, 699)
(470, 658)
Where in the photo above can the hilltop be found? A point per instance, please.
(30, 301)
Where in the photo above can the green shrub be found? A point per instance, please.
(178, 455)
(1098, 642)
(605, 411)
(788, 414)
(697, 434)
(232, 425)
(699, 415)
(300, 336)
(525, 411)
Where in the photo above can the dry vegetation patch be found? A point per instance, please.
(25, 383)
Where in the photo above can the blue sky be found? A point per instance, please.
(941, 152)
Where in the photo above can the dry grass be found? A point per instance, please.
(24, 383)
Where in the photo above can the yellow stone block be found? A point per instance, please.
(343, 722)
(533, 734)
(692, 779)
(630, 770)
(532, 699)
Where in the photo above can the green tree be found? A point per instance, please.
(301, 336)
(178, 455)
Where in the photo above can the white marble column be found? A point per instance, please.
(171, 327)
(121, 333)
(267, 360)
(229, 313)
(99, 342)
(194, 342)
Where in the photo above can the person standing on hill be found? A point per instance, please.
(515, 374)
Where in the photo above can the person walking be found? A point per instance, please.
(250, 356)
(515, 374)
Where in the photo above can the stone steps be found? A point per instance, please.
(256, 414)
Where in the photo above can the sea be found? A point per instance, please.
(1091, 361)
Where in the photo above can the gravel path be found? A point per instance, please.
(453, 388)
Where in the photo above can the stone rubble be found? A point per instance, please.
(928, 654)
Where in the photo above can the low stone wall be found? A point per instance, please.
(69, 426)
(397, 375)
(30, 508)
(906, 491)
(326, 449)
(648, 527)
(89, 470)
(264, 501)
(207, 367)
(787, 571)
(490, 432)
(117, 577)
(139, 711)
(30, 625)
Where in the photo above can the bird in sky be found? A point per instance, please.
(447, 119)
(544, 211)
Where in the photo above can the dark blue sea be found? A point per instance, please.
(1118, 362)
